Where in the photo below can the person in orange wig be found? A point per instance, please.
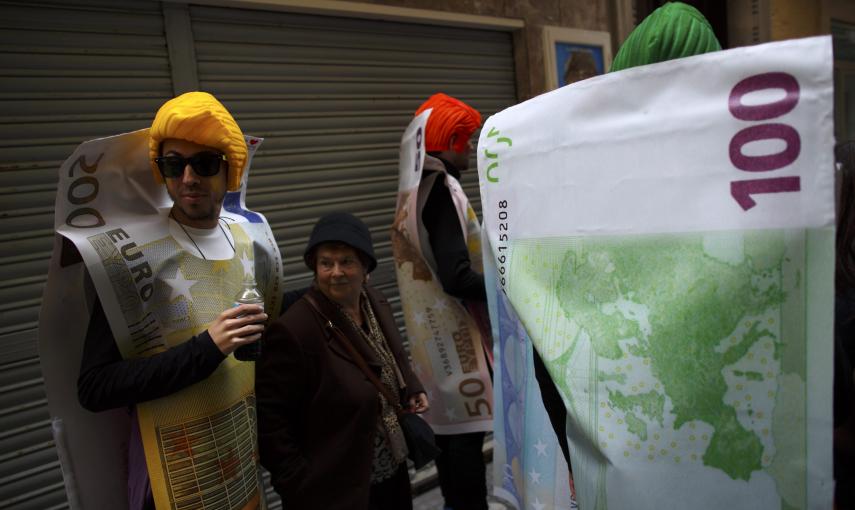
(454, 255)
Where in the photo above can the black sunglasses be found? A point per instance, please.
(205, 164)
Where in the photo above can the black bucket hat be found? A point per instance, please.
(344, 228)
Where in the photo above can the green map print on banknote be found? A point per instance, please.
(678, 349)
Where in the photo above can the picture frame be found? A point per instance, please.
(572, 54)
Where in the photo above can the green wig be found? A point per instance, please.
(675, 30)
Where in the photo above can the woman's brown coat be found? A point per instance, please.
(317, 411)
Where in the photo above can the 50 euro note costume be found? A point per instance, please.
(447, 337)
(670, 254)
(200, 443)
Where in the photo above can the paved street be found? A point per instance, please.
(432, 499)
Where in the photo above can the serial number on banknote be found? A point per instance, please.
(502, 246)
(761, 131)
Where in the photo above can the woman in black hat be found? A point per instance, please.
(327, 433)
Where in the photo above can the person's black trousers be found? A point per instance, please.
(462, 472)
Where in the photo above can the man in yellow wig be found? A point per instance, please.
(162, 261)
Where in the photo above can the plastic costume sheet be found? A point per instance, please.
(200, 442)
(447, 337)
(664, 235)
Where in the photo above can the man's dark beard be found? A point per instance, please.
(197, 214)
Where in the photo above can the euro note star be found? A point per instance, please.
(248, 268)
(540, 446)
(440, 304)
(180, 286)
(419, 318)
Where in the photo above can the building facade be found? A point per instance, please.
(330, 85)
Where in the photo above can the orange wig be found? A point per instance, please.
(450, 117)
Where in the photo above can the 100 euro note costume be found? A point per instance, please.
(447, 337)
(665, 237)
(200, 443)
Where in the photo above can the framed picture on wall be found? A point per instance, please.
(572, 55)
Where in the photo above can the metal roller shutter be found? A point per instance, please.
(332, 96)
(69, 73)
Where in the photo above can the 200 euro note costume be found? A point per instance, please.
(665, 236)
(447, 337)
(199, 443)
(528, 466)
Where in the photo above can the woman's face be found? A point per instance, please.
(339, 272)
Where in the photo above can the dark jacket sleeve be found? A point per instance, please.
(282, 379)
(414, 385)
(844, 356)
(449, 246)
(107, 381)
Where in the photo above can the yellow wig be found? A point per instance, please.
(199, 118)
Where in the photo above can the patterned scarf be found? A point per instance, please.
(390, 447)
